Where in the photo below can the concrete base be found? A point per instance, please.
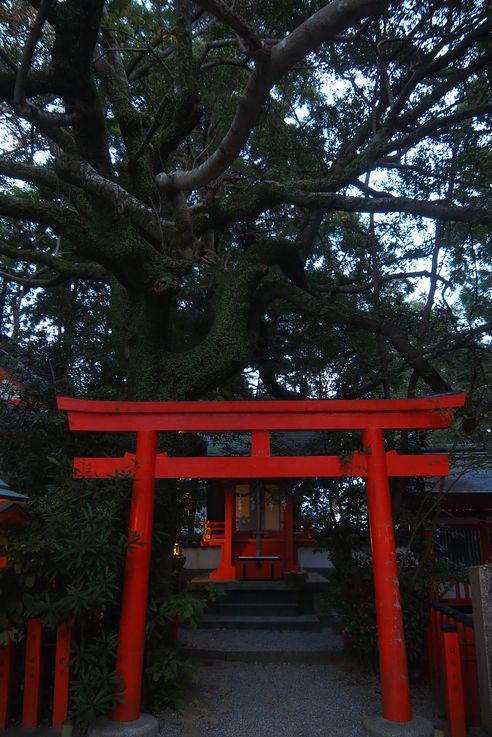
(146, 726)
(381, 727)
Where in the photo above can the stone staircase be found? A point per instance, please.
(275, 605)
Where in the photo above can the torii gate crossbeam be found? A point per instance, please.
(371, 417)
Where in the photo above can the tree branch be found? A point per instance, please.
(22, 107)
(33, 282)
(77, 171)
(267, 194)
(333, 314)
(385, 279)
(67, 269)
(322, 26)
(251, 42)
(65, 221)
(44, 177)
(77, 26)
(438, 124)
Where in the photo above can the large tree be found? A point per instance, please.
(223, 174)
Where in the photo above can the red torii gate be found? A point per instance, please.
(371, 417)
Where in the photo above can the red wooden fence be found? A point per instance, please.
(34, 680)
(452, 666)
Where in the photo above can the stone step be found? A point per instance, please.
(261, 597)
(255, 609)
(262, 646)
(268, 656)
(306, 622)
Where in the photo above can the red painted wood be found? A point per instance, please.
(61, 692)
(264, 466)
(259, 571)
(434, 650)
(6, 658)
(242, 422)
(260, 443)
(32, 674)
(470, 675)
(227, 569)
(291, 407)
(485, 551)
(129, 656)
(391, 640)
(290, 563)
(13, 516)
(438, 642)
(243, 416)
(453, 684)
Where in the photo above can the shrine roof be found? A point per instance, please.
(12, 496)
(463, 480)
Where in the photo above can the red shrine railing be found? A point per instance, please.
(452, 666)
(213, 533)
(371, 417)
(37, 684)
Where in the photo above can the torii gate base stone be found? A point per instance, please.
(371, 417)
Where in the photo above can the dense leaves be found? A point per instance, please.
(197, 179)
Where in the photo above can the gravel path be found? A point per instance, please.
(279, 700)
(262, 640)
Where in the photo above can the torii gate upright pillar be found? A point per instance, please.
(391, 640)
(129, 656)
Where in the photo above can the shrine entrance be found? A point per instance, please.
(258, 517)
(369, 417)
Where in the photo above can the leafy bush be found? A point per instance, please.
(67, 565)
(166, 676)
(354, 601)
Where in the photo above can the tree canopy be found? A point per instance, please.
(301, 189)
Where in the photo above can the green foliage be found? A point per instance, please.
(94, 683)
(352, 596)
(177, 607)
(67, 565)
(340, 515)
(166, 677)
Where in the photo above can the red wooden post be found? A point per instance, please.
(227, 570)
(6, 656)
(431, 649)
(290, 557)
(392, 653)
(453, 684)
(32, 674)
(136, 585)
(485, 552)
(436, 634)
(470, 676)
(61, 692)
(428, 648)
